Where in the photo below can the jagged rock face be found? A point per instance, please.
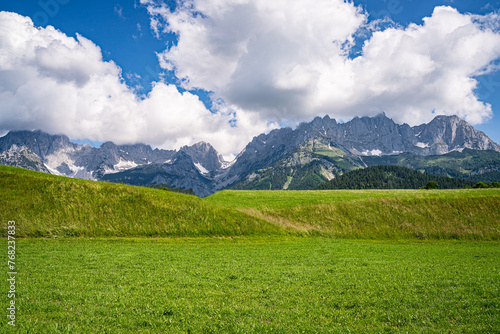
(262, 151)
(365, 136)
(60, 156)
(22, 157)
(444, 134)
(381, 136)
(40, 143)
(110, 158)
(205, 157)
(139, 153)
(376, 136)
(192, 167)
(181, 172)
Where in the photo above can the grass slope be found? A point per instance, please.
(375, 214)
(48, 205)
(305, 285)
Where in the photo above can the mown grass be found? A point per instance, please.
(255, 285)
(46, 205)
(375, 214)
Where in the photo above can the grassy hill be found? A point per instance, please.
(375, 214)
(47, 205)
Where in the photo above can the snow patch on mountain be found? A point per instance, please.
(121, 166)
(62, 163)
(227, 164)
(202, 169)
(56, 159)
(372, 152)
(54, 171)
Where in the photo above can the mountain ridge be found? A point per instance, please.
(311, 153)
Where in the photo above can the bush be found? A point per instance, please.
(431, 185)
(480, 185)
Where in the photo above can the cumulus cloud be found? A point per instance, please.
(289, 60)
(60, 84)
(423, 70)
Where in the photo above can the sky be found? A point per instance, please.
(172, 73)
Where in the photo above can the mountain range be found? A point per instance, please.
(286, 158)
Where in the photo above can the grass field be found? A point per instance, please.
(256, 285)
(96, 257)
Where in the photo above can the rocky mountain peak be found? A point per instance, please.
(108, 146)
(40, 143)
(21, 156)
(448, 133)
(204, 156)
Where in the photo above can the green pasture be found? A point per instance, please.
(255, 285)
(375, 214)
(94, 257)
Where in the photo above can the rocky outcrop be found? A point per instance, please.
(205, 157)
(21, 156)
(449, 133)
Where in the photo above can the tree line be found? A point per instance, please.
(392, 177)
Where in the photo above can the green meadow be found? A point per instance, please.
(50, 206)
(96, 257)
(256, 285)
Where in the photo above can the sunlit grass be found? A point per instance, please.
(256, 285)
(121, 259)
(47, 206)
(375, 214)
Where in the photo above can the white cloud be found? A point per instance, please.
(422, 70)
(119, 11)
(288, 60)
(258, 55)
(60, 84)
(283, 61)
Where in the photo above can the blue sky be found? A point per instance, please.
(123, 32)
